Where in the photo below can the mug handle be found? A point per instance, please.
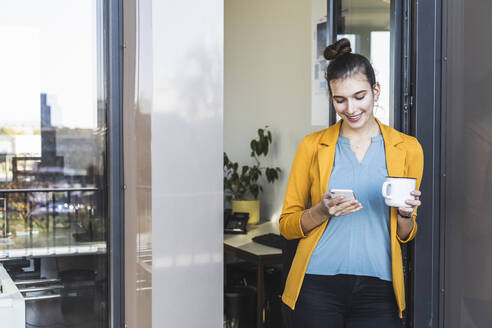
(384, 190)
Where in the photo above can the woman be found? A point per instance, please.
(347, 270)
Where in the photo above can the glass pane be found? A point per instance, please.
(467, 132)
(367, 25)
(53, 202)
(138, 167)
(173, 163)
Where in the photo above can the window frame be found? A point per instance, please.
(113, 18)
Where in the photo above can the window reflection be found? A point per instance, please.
(367, 25)
(53, 201)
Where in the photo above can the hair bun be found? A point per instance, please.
(337, 49)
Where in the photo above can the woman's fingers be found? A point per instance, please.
(416, 194)
(338, 206)
(348, 210)
(358, 208)
(331, 202)
(327, 195)
(345, 208)
(413, 203)
(335, 208)
(406, 211)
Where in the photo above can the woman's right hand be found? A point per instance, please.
(327, 208)
(338, 206)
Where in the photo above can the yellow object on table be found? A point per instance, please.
(248, 206)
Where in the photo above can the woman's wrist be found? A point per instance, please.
(404, 228)
(405, 216)
(320, 212)
(311, 219)
(315, 216)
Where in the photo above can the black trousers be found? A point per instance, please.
(346, 301)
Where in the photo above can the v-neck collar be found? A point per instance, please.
(346, 141)
(395, 157)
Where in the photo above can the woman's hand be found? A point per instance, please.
(405, 222)
(327, 208)
(407, 212)
(338, 206)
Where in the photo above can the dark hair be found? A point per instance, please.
(344, 63)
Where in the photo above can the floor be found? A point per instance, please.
(48, 313)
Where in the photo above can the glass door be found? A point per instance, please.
(370, 27)
(381, 31)
(466, 235)
(173, 93)
(53, 168)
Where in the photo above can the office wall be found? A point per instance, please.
(267, 51)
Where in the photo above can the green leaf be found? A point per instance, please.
(270, 175)
(260, 148)
(257, 149)
(265, 147)
(254, 190)
(253, 145)
(242, 180)
(274, 176)
(244, 169)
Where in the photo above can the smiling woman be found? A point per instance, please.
(349, 248)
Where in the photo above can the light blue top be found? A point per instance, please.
(357, 243)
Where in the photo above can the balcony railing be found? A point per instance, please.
(52, 221)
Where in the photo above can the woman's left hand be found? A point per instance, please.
(408, 211)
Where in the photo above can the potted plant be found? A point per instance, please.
(241, 185)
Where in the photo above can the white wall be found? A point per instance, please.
(267, 72)
(174, 130)
(187, 208)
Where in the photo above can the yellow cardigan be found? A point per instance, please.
(309, 178)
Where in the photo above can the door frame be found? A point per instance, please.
(116, 184)
(399, 75)
(425, 125)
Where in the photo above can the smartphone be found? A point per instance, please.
(348, 194)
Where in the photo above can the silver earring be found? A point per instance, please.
(377, 107)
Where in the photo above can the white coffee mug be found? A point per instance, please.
(397, 190)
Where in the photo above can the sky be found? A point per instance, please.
(48, 47)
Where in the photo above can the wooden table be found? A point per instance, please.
(244, 248)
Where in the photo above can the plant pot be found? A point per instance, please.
(248, 206)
